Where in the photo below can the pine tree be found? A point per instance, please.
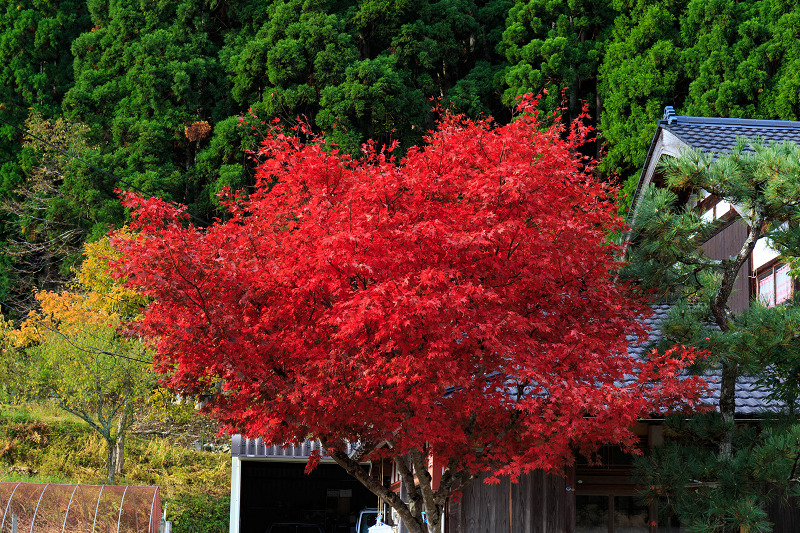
(759, 341)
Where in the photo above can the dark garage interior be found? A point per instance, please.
(280, 492)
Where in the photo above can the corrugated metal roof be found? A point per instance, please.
(256, 448)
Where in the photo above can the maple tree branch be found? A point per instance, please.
(512, 278)
(464, 479)
(340, 271)
(211, 264)
(513, 247)
(512, 421)
(447, 479)
(201, 304)
(352, 467)
(408, 480)
(452, 482)
(424, 477)
(448, 475)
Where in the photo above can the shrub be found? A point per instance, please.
(199, 513)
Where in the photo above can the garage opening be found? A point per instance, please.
(280, 495)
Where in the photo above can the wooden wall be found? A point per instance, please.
(541, 503)
(723, 245)
(785, 515)
(537, 503)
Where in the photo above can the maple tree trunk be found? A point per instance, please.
(411, 512)
(433, 512)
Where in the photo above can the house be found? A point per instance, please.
(603, 499)
(762, 276)
(589, 498)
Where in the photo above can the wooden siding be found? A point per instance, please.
(537, 503)
(784, 514)
(723, 245)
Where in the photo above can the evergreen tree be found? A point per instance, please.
(35, 69)
(760, 342)
(556, 45)
(172, 91)
(142, 75)
(35, 72)
(367, 69)
(724, 59)
(704, 58)
(639, 75)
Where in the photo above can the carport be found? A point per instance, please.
(268, 485)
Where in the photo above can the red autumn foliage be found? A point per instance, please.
(459, 303)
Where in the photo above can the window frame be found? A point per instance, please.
(771, 269)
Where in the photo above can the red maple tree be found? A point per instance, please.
(458, 303)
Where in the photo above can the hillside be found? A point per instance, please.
(40, 444)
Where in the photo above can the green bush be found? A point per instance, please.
(199, 513)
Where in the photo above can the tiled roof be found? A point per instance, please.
(750, 398)
(719, 134)
(714, 135)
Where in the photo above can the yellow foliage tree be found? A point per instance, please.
(72, 353)
(103, 292)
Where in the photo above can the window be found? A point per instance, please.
(611, 514)
(774, 285)
(606, 498)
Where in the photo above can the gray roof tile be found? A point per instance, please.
(715, 135)
(751, 399)
(719, 134)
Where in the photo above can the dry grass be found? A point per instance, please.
(62, 449)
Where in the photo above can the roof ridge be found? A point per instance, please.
(742, 122)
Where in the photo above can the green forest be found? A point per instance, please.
(166, 97)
